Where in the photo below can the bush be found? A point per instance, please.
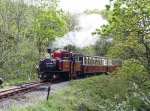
(137, 80)
(133, 70)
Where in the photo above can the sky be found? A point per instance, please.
(87, 23)
(78, 6)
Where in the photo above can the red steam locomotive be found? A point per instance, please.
(68, 65)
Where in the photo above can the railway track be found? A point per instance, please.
(24, 88)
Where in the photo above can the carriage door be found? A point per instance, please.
(72, 67)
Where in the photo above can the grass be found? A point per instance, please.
(128, 89)
(100, 93)
(84, 95)
(16, 81)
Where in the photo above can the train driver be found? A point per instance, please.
(48, 54)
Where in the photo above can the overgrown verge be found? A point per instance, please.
(26, 30)
(126, 90)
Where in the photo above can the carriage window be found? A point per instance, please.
(93, 61)
(101, 62)
(66, 56)
(76, 58)
(80, 58)
(83, 60)
(88, 60)
(96, 61)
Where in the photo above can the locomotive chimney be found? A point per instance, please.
(49, 50)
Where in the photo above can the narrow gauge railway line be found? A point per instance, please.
(24, 88)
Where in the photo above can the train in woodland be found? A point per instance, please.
(69, 65)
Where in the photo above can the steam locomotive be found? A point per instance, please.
(69, 65)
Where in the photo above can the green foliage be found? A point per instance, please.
(71, 48)
(25, 30)
(137, 80)
(47, 26)
(128, 26)
(132, 69)
(89, 50)
(17, 54)
(101, 47)
(20, 64)
(50, 24)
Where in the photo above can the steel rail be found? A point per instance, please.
(24, 88)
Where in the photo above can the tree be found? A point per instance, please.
(48, 25)
(129, 27)
(101, 47)
(17, 53)
(71, 48)
(23, 27)
(72, 21)
(89, 50)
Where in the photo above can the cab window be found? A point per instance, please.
(66, 56)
